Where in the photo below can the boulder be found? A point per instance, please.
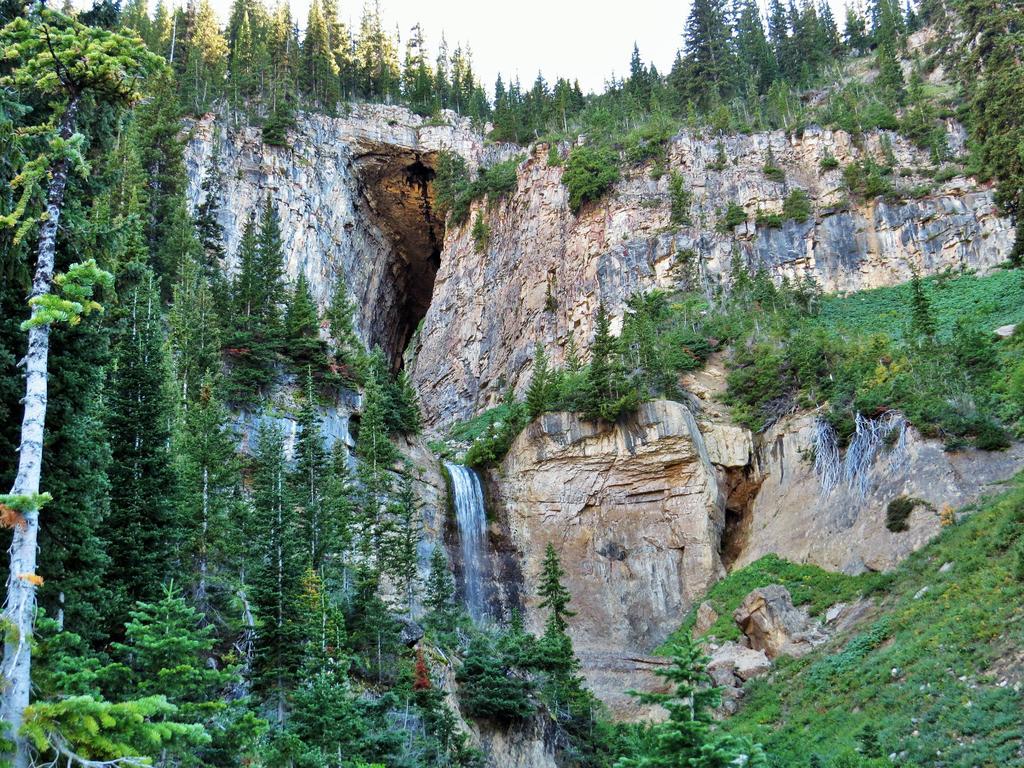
(732, 665)
(706, 616)
(772, 624)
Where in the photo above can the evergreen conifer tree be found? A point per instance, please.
(207, 474)
(142, 519)
(303, 346)
(538, 392)
(276, 575)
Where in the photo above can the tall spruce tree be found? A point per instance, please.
(277, 573)
(308, 481)
(305, 350)
(207, 475)
(142, 524)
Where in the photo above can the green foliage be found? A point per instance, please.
(488, 687)
(897, 512)
(139, 418)
(481, 233)
(688, 737)
(771, 171)
(74, 298)
(822, 702)
(589, 172)
(608, 391)
(732, 217)
(538, 394)
(350, 355)
(681, 199)
(455, 192)
(101, 730)
(494, 432)
(867, 178)
(809, 586)
(797, 206)
(302, 345)
(828, 162)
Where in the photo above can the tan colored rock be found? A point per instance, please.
(728, 445)
(634, 513)
(841, 531)
(731, 664)
(772, 624)
(491, 308)
(706, 617)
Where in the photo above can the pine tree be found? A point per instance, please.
(320, 73)
(890, 75)
(205, 59)
(686, 738)
(377, 456)
(442, 611)
(194, 330)
(402, 545)
(607, 391)
(166, 646)
(276, 575)
(70, 66)
(306, 351)
(538, 392)
(487, 690)
(922, 321)
(142, 520)
(349, 351)
(307, 483)
(207, 475)
(554, 596)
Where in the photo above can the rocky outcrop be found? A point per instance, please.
(843, 531)
(491, 307)
(355, 198)
(634, 512)
(772, 624)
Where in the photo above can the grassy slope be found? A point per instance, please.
(951, 700)
(990, 301)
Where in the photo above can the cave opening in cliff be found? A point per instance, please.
(741, 487)
(397, 187)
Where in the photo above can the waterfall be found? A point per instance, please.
(471, 517)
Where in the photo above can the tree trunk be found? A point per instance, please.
(19, 610)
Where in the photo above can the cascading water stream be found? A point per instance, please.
(471, 517)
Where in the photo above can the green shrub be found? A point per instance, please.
(721, 161)
(945, 173)
(828, 162)
(481, 233)
(897, 512)
(454, 192)
(797, 206)
(766, 219)
(590, 172)
(681, 199)
(771, 171)
(867, 178)
(732, 217)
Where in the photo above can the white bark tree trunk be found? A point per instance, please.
(19, 609)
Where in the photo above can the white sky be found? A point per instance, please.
(562, 38)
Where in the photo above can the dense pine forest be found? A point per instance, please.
(186, 589)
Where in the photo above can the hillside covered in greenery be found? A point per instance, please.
(202, 573)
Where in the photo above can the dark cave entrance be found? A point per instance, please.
(741, 485)
(398, 191)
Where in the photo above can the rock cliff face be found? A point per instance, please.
(490, 308)
(635, 514)
(791, 517)
(355, 198)
(646, 513)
